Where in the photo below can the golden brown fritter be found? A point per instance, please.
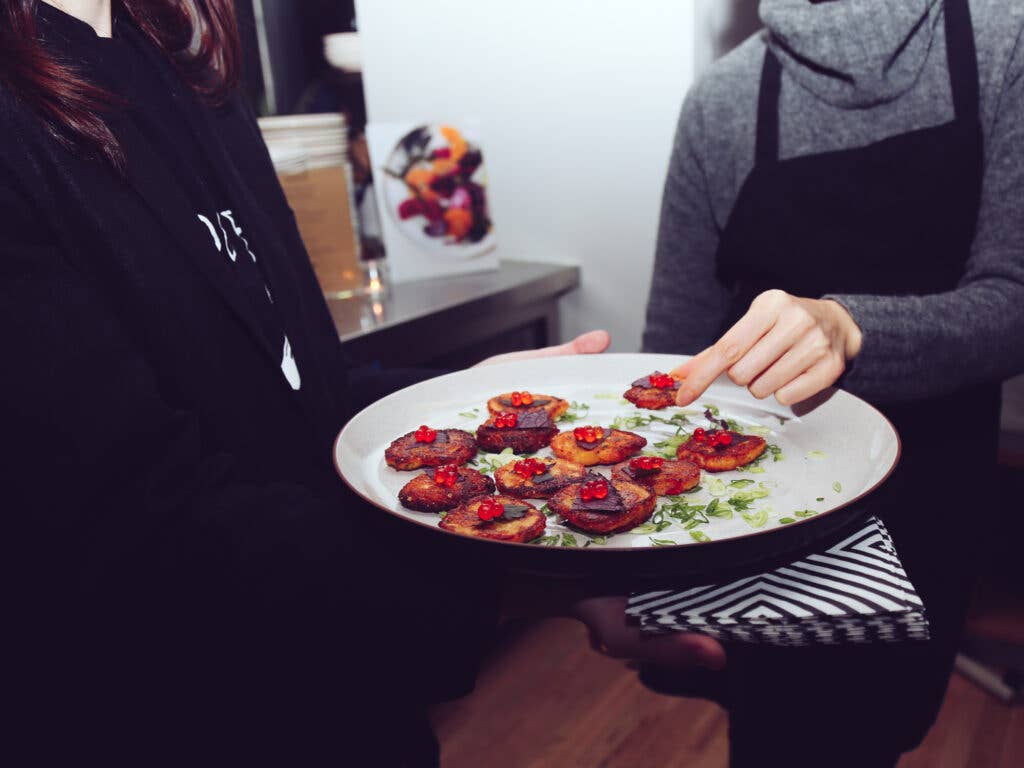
(553, 405)
(451, 446)
(465, 519)
(643, 394)
(743, 450)
(650, 398)
(559, 474)
(635, 506)
(533, 431)
(673, 477)
(615, 446)
(423, 494)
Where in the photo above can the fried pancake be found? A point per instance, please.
(650, 398)
(553, 405)
(451, 446)
(424, 495)
(615, 447)
(560, 474)
(643, 394)
(743, 450)
(638, 503)
(673, 477)
(529, 439)
(464, 519)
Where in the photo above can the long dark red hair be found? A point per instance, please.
(199, 36)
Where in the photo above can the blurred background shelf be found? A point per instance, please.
(454, 322)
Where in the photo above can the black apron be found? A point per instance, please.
(894, 218)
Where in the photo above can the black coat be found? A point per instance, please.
(174, 517)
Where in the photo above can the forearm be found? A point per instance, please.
(922, 346)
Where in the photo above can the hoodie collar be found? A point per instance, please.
(852, 53)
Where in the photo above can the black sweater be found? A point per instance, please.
(162, 479)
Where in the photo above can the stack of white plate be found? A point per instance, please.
(306, 142)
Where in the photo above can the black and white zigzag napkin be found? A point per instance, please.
(855, 592)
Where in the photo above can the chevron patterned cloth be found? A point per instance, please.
(855, 592)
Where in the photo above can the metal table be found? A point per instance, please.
(456, 321)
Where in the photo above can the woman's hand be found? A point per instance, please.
(611, 635)
(590, 343)
(785, 346)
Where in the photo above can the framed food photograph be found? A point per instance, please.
(433, 196)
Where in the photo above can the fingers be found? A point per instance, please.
(811, 382)
(797, 359)
(611, 635)
(581, 345)
(590, 343)
(699, 372)
(812, 352)
(771, 348)
(678, 650)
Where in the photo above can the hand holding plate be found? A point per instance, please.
(590, 343)
(610, 634)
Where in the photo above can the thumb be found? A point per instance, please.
(590, 343)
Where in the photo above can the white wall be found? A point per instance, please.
(577, 102)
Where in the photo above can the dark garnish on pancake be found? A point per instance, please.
(610, 504)
(537, 402)
(645, 382)
(534, 419)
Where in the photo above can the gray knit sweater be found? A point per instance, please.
(892, 56)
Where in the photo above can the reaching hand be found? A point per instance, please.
(785, 346)
(591, 343)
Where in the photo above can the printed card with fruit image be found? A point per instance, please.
(434, 200)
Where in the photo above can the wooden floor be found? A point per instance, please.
(546, 699)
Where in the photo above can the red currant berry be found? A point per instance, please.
(594, 489)
(646, 463)
(699, 434)
(529, 467)
(489, 509)
(661, 380)
(724, 438)
(425, 434)
(446, 475)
